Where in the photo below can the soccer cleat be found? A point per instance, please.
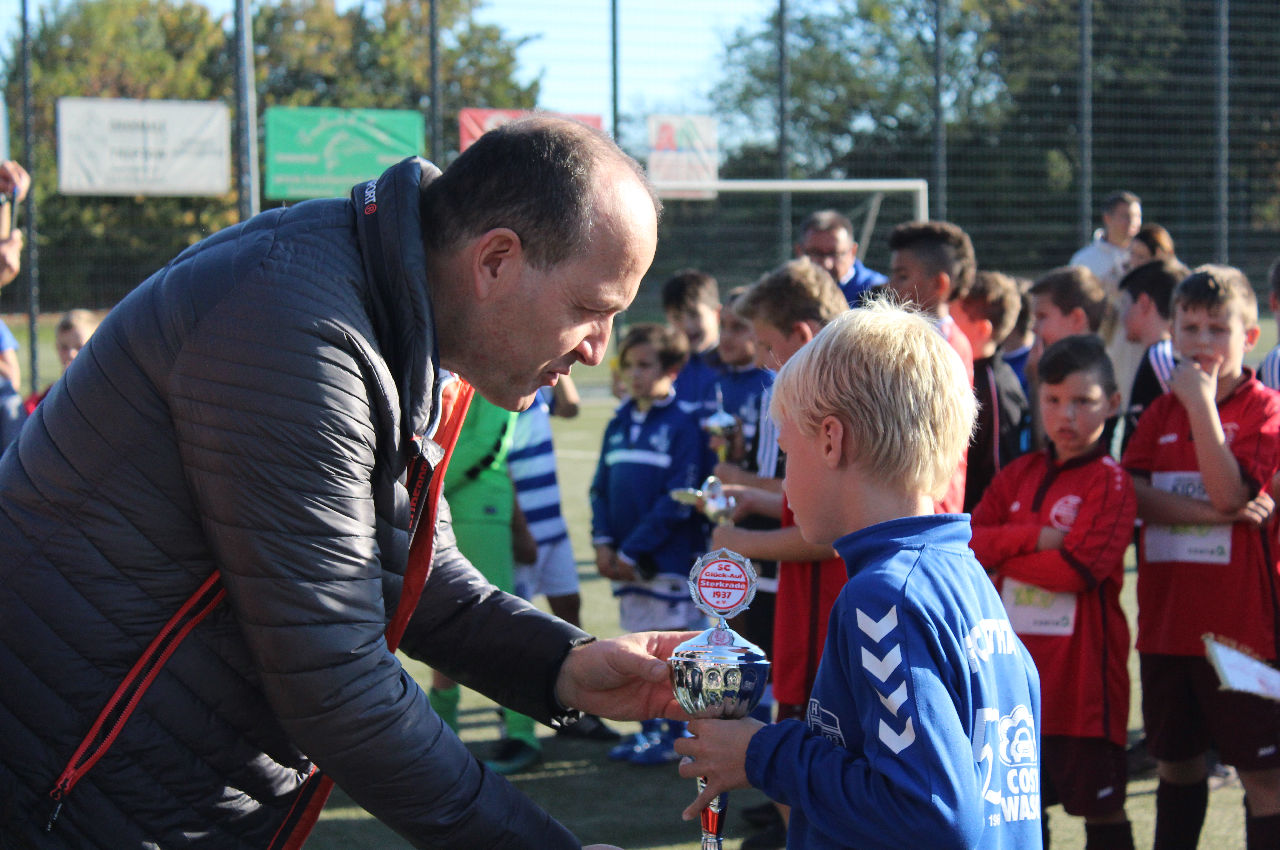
(514, 756)
(629, 745)
(589, 728)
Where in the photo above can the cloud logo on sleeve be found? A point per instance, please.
(1018, 737)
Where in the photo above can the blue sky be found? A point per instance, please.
(669, 49)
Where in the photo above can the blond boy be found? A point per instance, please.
(922, 721)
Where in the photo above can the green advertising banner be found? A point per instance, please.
(319, 152)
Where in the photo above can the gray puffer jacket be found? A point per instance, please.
(249, 410)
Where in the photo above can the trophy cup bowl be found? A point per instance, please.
(718, 674)
(710, 499)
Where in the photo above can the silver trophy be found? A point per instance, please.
(710, 499)
(718, 673)
(722, 424)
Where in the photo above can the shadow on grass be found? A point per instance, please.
(600, 801)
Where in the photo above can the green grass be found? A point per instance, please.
(633, 807)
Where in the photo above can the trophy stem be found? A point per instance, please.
(712, 818)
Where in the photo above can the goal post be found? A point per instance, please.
(737, 230)
(918, 188)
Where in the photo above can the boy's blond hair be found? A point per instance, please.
(899, 389)
(796, 291)
(1213, 287)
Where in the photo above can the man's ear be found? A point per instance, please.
(1251, 337)
(498, 257)
(831, 441)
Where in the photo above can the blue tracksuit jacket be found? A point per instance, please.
(923, 726)
(640, 463)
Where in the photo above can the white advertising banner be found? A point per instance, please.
(683, 148)
(109, 146)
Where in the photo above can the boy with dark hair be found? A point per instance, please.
(1200, 458)
(1146, 314)
(1269, 371)
(691, 303)
(1067, 301)
(1052, 531)
(644, 540)
(922, 729)
(932, 263)
(985, 316)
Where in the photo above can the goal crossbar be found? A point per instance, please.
(916, 187)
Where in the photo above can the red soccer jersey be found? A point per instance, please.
(952, 502)
(1216, 578)
(1065, 603)
(806, 592)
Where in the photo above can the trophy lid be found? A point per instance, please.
(722, 583)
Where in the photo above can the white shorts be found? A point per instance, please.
(659, 604)
(555, 573)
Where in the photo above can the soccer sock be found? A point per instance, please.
(445, 703)
(1262, 833)
(1108, 836)
(1180, 815)
(520, 727)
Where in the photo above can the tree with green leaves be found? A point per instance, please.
(307, 53)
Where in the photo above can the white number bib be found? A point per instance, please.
(1035, 611)
(1197, 544)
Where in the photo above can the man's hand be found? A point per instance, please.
(624, 678)
(718, 752)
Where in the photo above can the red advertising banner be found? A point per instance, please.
(474, 123)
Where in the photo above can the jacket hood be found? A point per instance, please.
(389, 225)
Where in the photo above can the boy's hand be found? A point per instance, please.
(608, 565)
(730, 473)
(718, 752)
(1258, 510)
(1050, 538)
(1193, 385)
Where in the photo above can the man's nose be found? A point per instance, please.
(592, 347)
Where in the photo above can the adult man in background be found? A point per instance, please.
(826, 237)
(1108, 253)
(211, 516)
(1107, 256)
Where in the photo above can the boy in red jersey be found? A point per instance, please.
(1200, 457)
(1052, 529)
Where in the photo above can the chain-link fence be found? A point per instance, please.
(1022, 116)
